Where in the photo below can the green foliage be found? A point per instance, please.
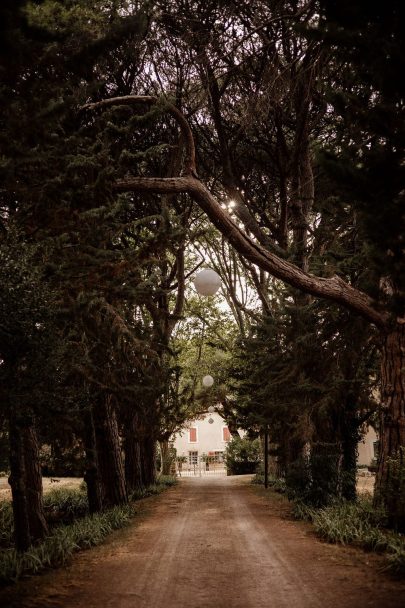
(57, 548)
(242, 455)
(61, 505)
(6, 523)
(366, 166)
(300, 374)
(275, 483)
(65, 504)
(357, 523)
(393, 492)
(315, 480)
(163, 482)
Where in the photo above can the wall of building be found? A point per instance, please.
(211, 434)
(366, 447)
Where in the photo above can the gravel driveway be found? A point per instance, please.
(214, 543)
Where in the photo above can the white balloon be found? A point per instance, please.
(208, 381)
(207, 282)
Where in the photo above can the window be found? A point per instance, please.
(192, 434)
(226, 436)
(193, 457)
(218, 456)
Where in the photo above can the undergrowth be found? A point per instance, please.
(354, 523)
(57, 548)
(358, 524)
(163, 482)
(65, 506)
(276, 484)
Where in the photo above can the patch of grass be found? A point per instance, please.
(67, 506)
(275, 483)
(302, 511)
(63, 504)
(358, 524)
(163, 482)
(57, 548)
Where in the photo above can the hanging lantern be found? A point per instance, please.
(207, 282)
(208, 381)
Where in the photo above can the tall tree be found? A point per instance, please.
(382, 307)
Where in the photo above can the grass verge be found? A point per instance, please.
(62, 543)
(84, 532)
(347, 523)
(357, 524)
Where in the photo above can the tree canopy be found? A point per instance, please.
(143, 140)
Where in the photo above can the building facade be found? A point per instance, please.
(367, 448)
(202, 439)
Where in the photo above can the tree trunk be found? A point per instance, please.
(109, 455)
(91, 474)
(350, 437)
(17, 481)
(166, 457)
(132, 449)
(36, 515)
(26, 484)
(148, 457)
(326, 472)
(390, 482)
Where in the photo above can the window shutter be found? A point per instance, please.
(226, 434)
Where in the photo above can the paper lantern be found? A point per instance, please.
(208, 381)
(207, 282)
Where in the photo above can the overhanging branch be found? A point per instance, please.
(334, 288)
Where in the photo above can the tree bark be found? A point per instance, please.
(166, 457)
(132, 449)
(390, 482)
(36, 515)
(17, 481)
(26, 484)
(91, 474)
(148, 458)
(109, 453)
(334, 288)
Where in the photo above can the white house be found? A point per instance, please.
(367, 447)
(206, 436)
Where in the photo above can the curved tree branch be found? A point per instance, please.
(333, 288)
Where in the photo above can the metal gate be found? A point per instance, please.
(202, 468)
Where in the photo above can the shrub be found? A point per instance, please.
(163, 482)
(63, 542)
(316, 479)
(66, 504)
(242, 456)
(275, 483)
(357, 523)
(6, 523)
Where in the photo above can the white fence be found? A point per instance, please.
(200, 469)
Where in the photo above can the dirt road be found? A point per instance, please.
(214, 543)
